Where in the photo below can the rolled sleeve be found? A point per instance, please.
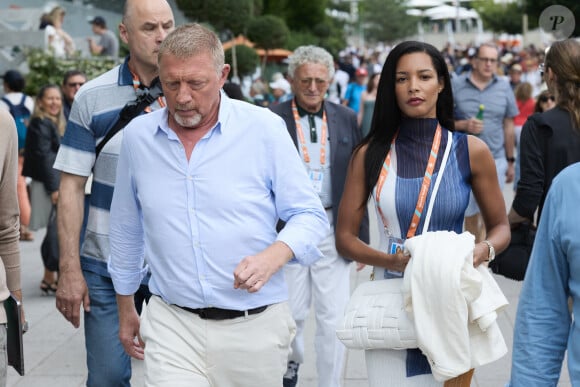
(308, 227)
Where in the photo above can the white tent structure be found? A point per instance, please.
(451, 17)
(444, 11)
(423, 4)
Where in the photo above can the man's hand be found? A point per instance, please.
(474, 126)
(71, 293)
(510, 173)
(129, 327)
(255, 270)
(54, 197)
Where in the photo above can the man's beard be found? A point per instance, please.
(188, 122)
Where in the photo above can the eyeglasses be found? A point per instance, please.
(75, 84)
(545, 98)
(487, 60)
(305, 82)
(541, 69)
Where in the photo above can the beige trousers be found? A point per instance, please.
(183, 350)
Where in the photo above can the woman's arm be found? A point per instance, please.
(485, 186)
(350, 215)
(532, 177)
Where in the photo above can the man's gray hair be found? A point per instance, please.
(310, 54)
(192, 39)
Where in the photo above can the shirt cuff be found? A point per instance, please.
(303, 254)
(126, 283)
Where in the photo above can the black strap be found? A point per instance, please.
(9, 104)
(132, 109)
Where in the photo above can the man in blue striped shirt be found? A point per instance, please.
(84, 280)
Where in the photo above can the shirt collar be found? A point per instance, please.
(125, 76)
(494, 79)
(302, 112)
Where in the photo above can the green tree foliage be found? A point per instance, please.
(385, 20)
(333, 43)
(221, 14)
(306, 19)
(247, 60)
(268, 32)
(275, 7)
(45, 68)
(500, 17)
(305, 14)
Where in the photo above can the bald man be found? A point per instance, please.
(84, 280)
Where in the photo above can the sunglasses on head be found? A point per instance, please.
(545, 98)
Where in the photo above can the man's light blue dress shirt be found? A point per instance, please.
(544, 329)
(196, 220)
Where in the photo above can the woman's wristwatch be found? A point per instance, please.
(490, 251)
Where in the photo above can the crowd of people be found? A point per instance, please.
(89, 160)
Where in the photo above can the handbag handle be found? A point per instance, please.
(437, 182)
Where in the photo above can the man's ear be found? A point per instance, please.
(225, 72)
(123, 33)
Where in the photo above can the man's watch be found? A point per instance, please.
(511, 159)
(490, 251)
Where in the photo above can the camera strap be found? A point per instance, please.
(132, 109)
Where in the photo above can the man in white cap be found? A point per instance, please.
(281, 90)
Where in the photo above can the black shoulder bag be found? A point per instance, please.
(131, 110)
(513, 262)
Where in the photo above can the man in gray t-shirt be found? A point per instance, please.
(482, 89)
(108, 44)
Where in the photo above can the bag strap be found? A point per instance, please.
(131, 110)
(8, 103)
(437, 182)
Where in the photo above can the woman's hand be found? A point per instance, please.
(398, 261)
(480, 253)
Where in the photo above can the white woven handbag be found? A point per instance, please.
(375, 316)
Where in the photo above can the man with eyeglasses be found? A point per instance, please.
(481, 86)
(71, 83)
(325, 134)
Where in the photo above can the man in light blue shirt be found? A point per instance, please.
(200, 187)
(544, 329)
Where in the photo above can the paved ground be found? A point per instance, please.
(55, 354)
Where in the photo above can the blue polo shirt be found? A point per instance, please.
(499, 101)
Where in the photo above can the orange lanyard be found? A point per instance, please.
(137, 84)
(424, 187)
(300, 133)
